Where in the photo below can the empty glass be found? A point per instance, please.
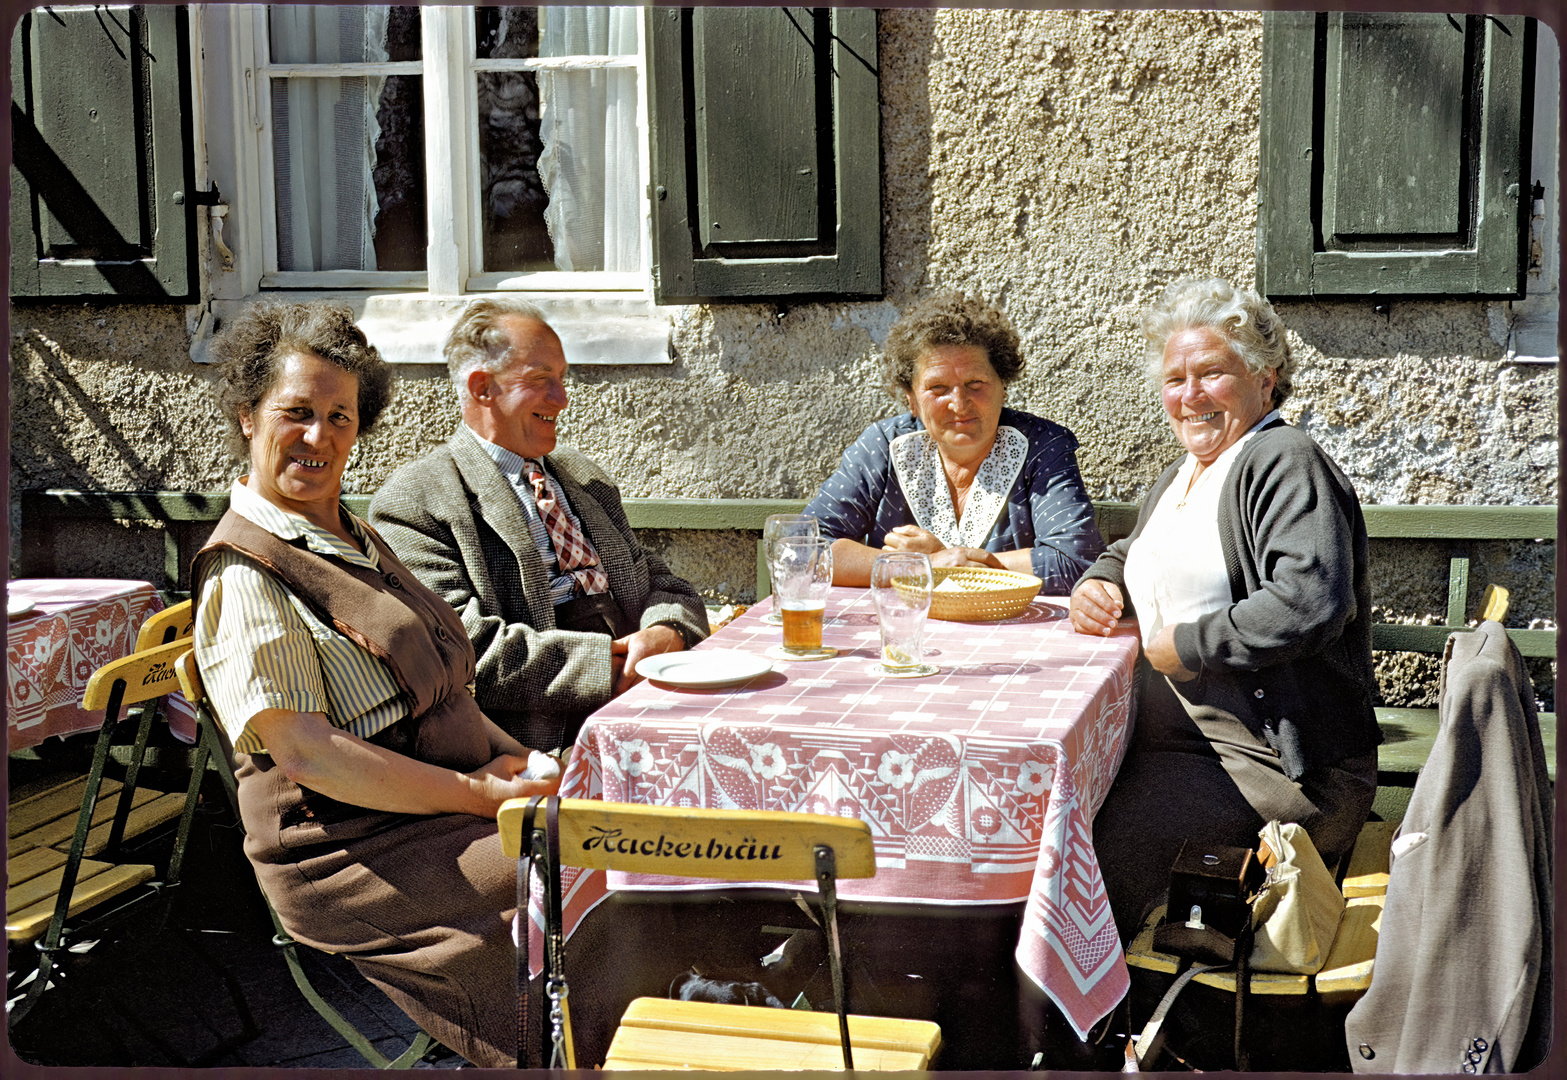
(901, 584)
(803, 577)
(775, 529)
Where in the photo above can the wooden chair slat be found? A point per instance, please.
(39, 794)
(654, 1048)
(60, 830)
(1141, 954)
(876, 1032)
(47, 884)
(1368, 867)
(1353, 956)
(1493, 604)
(28, 924)
(29, 864)
(149, 809)
(63, 801)
(726, 845)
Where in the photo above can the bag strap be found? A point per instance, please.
(1149, 1043)
(562, 1051)
(526, 1058)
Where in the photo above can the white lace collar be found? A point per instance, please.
(917, 463)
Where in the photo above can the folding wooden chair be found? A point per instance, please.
(213, 741)
(49, 882)
(728, 845)
(170, 624)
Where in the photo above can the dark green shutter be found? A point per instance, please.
(100, 155)
(766, 152)
(1395, 154)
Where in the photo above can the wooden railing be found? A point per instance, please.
(188, 517)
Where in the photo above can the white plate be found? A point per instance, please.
(708, 667)
(17, 606)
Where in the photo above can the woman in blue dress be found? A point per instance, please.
(959, 476)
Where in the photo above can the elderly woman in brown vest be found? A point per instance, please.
(369, 779)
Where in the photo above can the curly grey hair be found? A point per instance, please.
(949, 319)
(1245, 320)
(477, 340)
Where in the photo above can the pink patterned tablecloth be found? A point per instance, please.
(77, 626)
(979, 783)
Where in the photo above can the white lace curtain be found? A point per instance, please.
(588, 124)
(323, 137)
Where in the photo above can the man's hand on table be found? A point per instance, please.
(625, 652)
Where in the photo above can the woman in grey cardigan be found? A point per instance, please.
(1247, 574)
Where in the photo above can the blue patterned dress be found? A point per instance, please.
(1043, 509)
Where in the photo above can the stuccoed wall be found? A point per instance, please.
(1065, 164)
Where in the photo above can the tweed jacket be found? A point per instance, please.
(1463, 977)
(456, 522)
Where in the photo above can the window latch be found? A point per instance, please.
(210, 197)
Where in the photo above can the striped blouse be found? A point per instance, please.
(260, 647)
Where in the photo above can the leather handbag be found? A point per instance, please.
(1296, 915)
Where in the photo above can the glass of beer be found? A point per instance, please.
(901, 585)
(775, 529)
(804, 577)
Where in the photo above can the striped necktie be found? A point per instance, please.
(572, 550)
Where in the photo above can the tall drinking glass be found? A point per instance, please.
(776, 528)
(804, 577)
(901, 584)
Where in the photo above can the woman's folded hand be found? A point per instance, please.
(507, 777)
(1096, 606)
(915, 539)
(912, 538)
(966, 556)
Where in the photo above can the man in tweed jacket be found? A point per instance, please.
(465, 519)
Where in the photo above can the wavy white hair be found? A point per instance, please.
(1245, 320)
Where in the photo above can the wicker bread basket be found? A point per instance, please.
(983, 594)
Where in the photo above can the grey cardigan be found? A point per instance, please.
(456, 522)
(1291, 656)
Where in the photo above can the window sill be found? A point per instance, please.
(410, 328)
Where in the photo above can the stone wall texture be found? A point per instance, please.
(1065, 164)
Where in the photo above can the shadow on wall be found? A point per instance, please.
(906, 38)
(49, 406)
(1354, 330)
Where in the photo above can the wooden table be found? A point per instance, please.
(77, 626)
(980, 783)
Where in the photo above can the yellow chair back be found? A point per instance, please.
(689, 842)
(148, 673)
(181, 618)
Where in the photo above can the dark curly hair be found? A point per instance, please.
(253, 345)
(949, 319)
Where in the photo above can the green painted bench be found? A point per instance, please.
(1410, 732)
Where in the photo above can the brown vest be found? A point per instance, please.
(394, 618)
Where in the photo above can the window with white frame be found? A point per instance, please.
(450, 149)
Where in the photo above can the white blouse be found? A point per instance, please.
(1175, 569)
